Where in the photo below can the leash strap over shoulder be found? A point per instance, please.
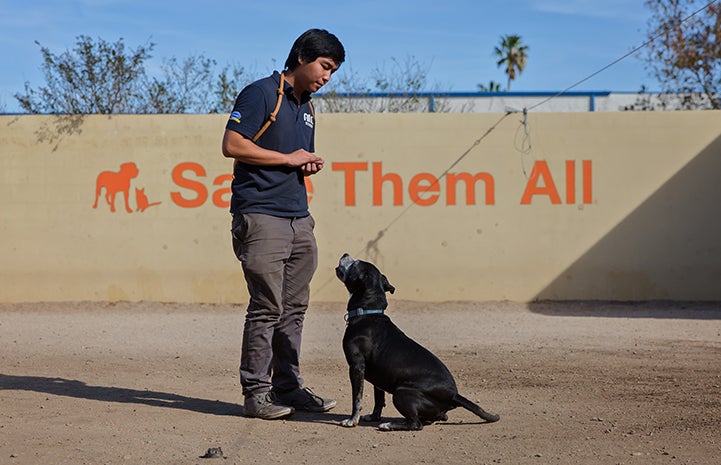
(274, 113)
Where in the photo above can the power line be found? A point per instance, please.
(439, 177)
(372, 243)
(663, 31)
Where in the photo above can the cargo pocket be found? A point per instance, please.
(239, 229)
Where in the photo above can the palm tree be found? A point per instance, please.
(512, 55)
(492, 86)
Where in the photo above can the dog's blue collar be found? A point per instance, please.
(363, 311)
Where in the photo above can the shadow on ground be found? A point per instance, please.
(81, 390)
(659, 310)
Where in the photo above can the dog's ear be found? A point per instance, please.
(388, 287)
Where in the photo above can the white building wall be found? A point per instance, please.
(464, 102)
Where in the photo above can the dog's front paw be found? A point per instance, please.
(370, 418)
(349, 422)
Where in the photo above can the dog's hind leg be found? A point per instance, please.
(400, 426)
(414, 406)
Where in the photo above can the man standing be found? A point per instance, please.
(270, 135)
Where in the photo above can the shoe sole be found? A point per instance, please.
(270, 417)
(275, 416)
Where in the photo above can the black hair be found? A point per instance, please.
(315, 43)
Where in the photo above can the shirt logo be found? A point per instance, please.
(235, 116)
(308, 118)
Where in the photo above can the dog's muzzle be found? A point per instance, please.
(345, 262)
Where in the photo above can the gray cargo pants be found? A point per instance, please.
(279, 257)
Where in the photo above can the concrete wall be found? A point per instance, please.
(619, 206)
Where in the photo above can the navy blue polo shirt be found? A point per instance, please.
(272, 190)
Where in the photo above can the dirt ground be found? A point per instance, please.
(574, 383)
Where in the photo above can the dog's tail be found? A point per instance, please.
(468, 405)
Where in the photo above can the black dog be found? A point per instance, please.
(423, 389)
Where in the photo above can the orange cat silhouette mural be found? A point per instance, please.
(142, 200)
(114, 182)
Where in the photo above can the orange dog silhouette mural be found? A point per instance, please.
(115, 182)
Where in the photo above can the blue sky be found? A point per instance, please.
(567, 39)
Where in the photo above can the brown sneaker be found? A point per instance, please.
(303, 399)
(263, 406)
